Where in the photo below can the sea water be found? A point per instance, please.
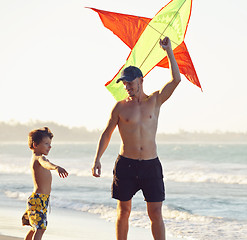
(206, 186)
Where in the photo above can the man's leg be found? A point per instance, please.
(122, 224)
(157, 224)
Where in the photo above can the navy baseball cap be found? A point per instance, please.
(129, 74)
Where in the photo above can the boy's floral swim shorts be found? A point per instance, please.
(36, 213)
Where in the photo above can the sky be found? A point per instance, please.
(56, 56)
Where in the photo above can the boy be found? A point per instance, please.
(39, 141)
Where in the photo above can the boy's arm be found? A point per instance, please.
(45, 163)
(168, 89)
(104, 141)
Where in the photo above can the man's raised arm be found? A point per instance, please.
(104, 141)
(168, 89)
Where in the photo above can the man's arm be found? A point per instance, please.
(45, 163)
(168, 89)
(104, 141)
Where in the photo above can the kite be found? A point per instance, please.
(142, 36)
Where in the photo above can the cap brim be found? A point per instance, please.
(125, 79)
(120, 79)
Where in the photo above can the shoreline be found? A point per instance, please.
(65, 224)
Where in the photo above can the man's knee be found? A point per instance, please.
(155, 213)
(123, 210)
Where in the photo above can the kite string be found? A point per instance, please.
(161, 33)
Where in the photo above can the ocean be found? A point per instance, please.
(206, 186)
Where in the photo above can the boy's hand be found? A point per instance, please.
(165, 43)
(62, 172)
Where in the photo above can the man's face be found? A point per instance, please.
(132, 88)
(44, 146)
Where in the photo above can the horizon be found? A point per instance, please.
(40, 124)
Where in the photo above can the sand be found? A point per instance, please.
(2, 237)
(68, 225)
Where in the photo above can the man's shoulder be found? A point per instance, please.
(122, 101)
(152, 98)
(154, 94)
(120, 104)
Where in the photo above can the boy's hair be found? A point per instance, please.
(36, 136)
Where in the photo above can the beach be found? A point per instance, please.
(8, 238)
(66, 225)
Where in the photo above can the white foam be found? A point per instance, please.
(200, 176)
(204, 228)
(176, 176)
(17, 195)
(13, 168)
(179, 223)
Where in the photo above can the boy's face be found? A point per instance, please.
(43, 147)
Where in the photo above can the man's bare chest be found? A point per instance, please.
(138, 113)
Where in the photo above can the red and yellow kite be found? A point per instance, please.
(142, 36)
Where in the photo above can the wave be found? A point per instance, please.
(17, 195)
(14, 169)
(138, 218)
(202, 177)
(180, 223)
(190, 226)
(175, 176)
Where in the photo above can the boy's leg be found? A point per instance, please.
(122, 224)
(38, 234)
(157, 223)
(29, 235)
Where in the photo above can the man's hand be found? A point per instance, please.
(165, 43)
(96, 169)
(62, 172)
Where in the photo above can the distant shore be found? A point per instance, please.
(18, 133)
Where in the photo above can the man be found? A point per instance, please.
(137, 166)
